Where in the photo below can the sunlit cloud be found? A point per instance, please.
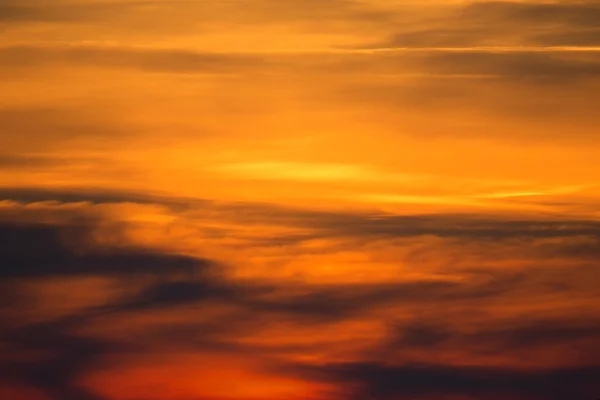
(309, 200)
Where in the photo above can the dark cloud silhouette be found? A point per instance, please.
(30, 249)
(61, 354)
(71, 356)
(42, 250)
(193, 290)
(508, 337)
(388, 381)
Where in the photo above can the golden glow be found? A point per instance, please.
(303, 200)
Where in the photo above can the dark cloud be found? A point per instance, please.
(510, 337)
(532, 237)
(588, 37)
(583, 249)
(383, 381)
(543, 67)
(197, 289)
(346, 301)
(518, 65)
(385, 225)
(65, 357)
(12, 11)
(434, 38)
(506, 23)
(30, 249)
(467, 226)
(96, 196)
(54, 355)
(319, 305)
(581, 13)
(315, 303)
(581, 236)
(539, 334)
(45, 250)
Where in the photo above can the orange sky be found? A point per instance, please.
(299, 199)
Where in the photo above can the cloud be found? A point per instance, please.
(375, 225)
(34, 252)
(21, 161)
(34, 129)
(316, 303)
(472, 24)
(520, 95)
(38, 250)
(58, 11)
(505, 23)
(481, 68)
(27, 195)
(218, 313)
(528, 234)
(388, 381)
(499, 337)
(547, 66)
(459, 226)
(13, 11)
(97, 280)
(509, 96)
(59, 241)
(70, 356)
(147, 20)
(150, 60)
(588, 37)
(544, 67)
(577, 14)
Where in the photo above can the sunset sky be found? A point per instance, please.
(299, 200)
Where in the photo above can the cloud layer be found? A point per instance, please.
(431, 329)
(303, 200)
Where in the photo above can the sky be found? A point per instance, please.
(299, 200)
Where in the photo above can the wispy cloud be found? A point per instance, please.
(261, 199)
